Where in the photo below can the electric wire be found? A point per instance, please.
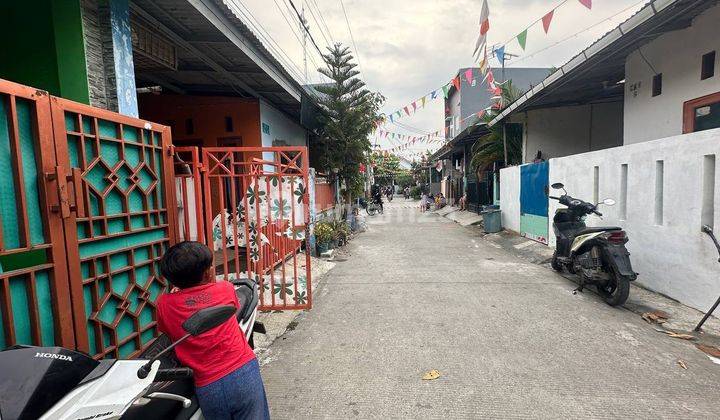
(322, 20)
(307, 30)
(270, 42)
(352, 38)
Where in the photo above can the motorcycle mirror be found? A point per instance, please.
(206, 319)
(558, 185)
(609, 202)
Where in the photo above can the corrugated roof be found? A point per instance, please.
(593, 74)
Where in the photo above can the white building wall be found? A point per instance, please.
(673, 257)
(677, 55)
(283, 131)
(568, 130)
(510, 198)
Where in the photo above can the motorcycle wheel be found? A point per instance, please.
(370, 210)
(555, 264)
(616, 291)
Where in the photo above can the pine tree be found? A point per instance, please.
(349, 115)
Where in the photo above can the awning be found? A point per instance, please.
(215, 53)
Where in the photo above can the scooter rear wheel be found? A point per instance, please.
(616, 292)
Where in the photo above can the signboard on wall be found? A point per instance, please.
(266, 128)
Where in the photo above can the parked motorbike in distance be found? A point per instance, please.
(597, 254)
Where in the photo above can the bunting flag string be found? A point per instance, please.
(546, 20)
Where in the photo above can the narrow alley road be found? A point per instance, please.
(418, 292)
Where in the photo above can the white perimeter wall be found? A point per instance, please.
(569, 130)
(678, 56)
(674, 258)
(510, 198)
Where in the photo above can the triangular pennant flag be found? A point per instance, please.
(483, 63)
(546, 20)
(422, 104)
(586, 3)
(490, 77)
(391, 118)
(433, 95)
(500, 54)
(414, 104)
(445, 90)
(456, 83)
(398, 114)
(407, 111)
(484, 27)
(469, 76)
(522, 38)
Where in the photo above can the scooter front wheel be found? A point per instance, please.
(616, 291)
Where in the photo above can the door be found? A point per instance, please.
(534, 179)
(119, 226)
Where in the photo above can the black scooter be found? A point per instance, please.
(597, 254)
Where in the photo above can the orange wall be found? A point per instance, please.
(208, 115)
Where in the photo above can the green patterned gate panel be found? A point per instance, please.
(122, 228)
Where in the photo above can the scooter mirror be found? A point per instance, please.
(609, 202)
(558, 185)
(207, 319)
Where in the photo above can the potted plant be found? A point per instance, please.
(341, 232)
(324, 235)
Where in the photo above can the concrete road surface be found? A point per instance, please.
(418, 292)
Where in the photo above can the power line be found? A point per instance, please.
(327, 38)
(352, 38)
(292, 29)
(269, 41)
(307, 30)
(525, 57)
(322, 19)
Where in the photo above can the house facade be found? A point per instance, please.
(634, 117)
(463, 128)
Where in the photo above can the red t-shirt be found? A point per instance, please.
(212, 354)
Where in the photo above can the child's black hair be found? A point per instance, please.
(185, 263)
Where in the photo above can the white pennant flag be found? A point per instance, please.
(484, 27)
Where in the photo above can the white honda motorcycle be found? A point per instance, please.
(57, 383)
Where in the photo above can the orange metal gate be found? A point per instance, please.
(256, 216)
(83, 222)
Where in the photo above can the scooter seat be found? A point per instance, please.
(587, 230)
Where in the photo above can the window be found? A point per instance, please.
(657, 85)
(189, 128)
(702, 113)
(229, 124)
(708, 66)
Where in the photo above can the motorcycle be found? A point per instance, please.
(597, 254)
(58, 383)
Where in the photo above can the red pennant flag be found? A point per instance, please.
(407, 111)
(490, 78)
(546, 20)
(456, 83)
(586, 3)
(414, 104)
(469, 76)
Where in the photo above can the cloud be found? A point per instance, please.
(410, 47)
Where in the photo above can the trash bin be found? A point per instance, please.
(492, 221)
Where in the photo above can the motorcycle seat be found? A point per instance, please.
(587, 230)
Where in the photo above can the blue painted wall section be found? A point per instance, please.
(123, 57)
(534, 180)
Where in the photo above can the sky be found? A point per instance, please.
(407, 48)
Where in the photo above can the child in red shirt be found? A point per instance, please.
(227, 375)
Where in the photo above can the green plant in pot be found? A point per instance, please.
(324, 236)
(341, 232)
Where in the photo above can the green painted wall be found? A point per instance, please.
(41, 45)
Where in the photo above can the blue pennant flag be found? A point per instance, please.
(500, 54)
